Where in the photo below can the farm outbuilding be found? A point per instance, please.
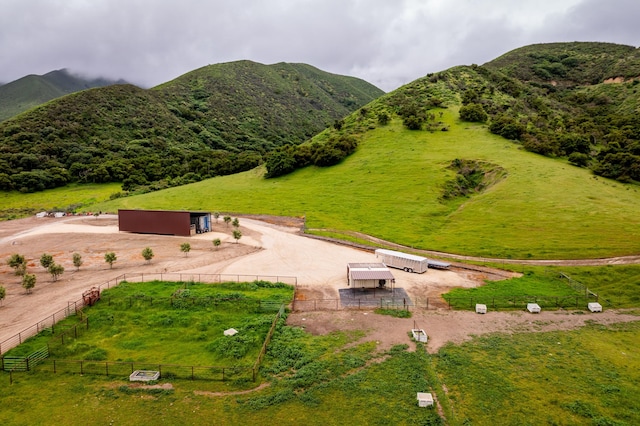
(164, 222)
(369, 275)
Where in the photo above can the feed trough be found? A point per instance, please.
(425, 399)
(419, 335)
(534, 308)
(481, 308)
(144, 376)
(594, 307)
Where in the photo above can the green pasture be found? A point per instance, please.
(617, 286)
(69, 198)
(588, 376)
(142, 322)
(391, 186)
(543, 287)
(584, 376)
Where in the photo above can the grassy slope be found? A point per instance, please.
(389, 188)
(16, 204)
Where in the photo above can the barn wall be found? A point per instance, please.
(155, 222)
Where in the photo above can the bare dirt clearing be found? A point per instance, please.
(265, 249)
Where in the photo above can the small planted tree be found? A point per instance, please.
(216, 243)
(3, 294)
(18, 263)
(77, 261)
(55, 270)
(236, 223)
(147, 253)
(110, 258)
(185, 248)
(46, 260)
(28, 282)
(216, 215)
(227, 219)
(237, 235)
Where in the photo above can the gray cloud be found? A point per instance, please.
(386, 43)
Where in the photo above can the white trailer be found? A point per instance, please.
(404, 261)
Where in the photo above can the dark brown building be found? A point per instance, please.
(164, 222)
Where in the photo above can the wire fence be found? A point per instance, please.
(445, 302)
(41, 359)
(73, 307)
(167, 371)
(521, 301)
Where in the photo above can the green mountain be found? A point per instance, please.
(216, 120)
(32, 90)
(430, 168)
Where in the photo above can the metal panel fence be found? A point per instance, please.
(446, 302)
(384, 303)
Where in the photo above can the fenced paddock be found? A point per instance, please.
(189, 303)
(73, 307)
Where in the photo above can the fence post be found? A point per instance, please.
(54, 366)
(106, 367)
(192, 376)
(81, 370)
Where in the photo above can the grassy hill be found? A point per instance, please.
(451, 185)
(32, 90)
(217, 120)
(392, 188)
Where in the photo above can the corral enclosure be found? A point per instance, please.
(171, 323)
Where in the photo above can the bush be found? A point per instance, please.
(473, 113)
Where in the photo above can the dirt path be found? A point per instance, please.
(445, 326)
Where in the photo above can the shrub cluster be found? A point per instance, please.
(286, 159)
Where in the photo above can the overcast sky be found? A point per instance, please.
(386, 42)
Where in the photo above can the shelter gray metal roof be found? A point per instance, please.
(366, 265)
(371, 274)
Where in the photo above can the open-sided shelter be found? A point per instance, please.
(369, 275)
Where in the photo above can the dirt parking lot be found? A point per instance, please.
(265, 249)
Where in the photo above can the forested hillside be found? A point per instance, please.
(32, 90)
(216, 120)
(575, 100)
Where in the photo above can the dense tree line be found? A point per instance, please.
(217, 120)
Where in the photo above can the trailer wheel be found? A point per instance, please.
(409, 270)
(405, 269)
